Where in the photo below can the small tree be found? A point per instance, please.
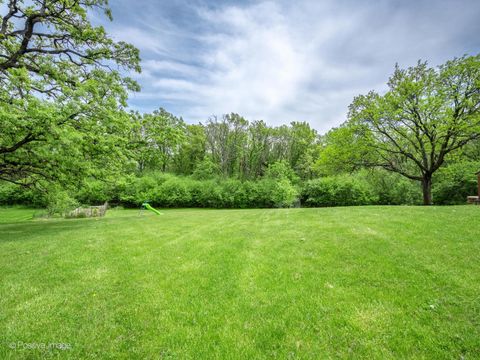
(425, 116)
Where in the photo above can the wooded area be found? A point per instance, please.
(68, 136)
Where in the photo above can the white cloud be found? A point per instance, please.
(258, 65)
(141, 38)
(283, 61)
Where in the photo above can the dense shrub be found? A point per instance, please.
(281, 170)
(277, 188)
(132, 191)
(205, 170)
(275, 193)
(60, 202)
(452, 184)
(93, 192)
(11, 194)
(391, 188)
(174, 192)
(233, 194)
(337, 191)
(205, 193)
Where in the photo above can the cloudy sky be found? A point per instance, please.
(284, 60)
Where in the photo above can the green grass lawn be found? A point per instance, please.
(357, 282)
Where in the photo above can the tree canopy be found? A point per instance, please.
(62, 89)
(425, 116)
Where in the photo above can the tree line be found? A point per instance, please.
(65, 124)
(230, 146)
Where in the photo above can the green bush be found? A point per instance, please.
(205, 170)
(278, 188)
(132, 191)
(285, 194)
(12, 194)
(226, 193)
(275, 193)
(174, 192)
(235, 194)
(137, 190)
(281, 170)
(452, 184)
(391, 188)
(93, 192)
(59, 202)
(248, 198)
(206, 194)
(337, 191)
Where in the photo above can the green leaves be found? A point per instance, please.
(156, 139)
(63, 94)
(426, 115)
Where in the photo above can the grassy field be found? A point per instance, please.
(364, 282)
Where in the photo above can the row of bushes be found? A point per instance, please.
(11, 194)
(451, 186)
(165, 190)
(172, 191)
(338, 191)
(162, 190)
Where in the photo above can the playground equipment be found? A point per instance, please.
(147, 206)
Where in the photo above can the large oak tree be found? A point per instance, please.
(426, 115)
(62, 92)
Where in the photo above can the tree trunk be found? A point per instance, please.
(427, 189)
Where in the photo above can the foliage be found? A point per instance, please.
(94, 192)
(206, 169)
(245, 150)
(281, 193)
(174, 192)
(425, 117)
(337, 191)
(167, 190)
(342, 151)
(229, 146)
(369, 186)
(158, 136)
(190, 152)
(207, 194)
(224, 142)
(301, 139)
(62, 93)
(11, 194)
(233, 194)
(455, 182)
(132, 191)
(281, 170)
(390, 188)
(59, 202)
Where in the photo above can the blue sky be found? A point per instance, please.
(283, 61)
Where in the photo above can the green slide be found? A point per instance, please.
(147, 206)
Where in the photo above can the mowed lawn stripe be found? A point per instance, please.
(366, 282)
